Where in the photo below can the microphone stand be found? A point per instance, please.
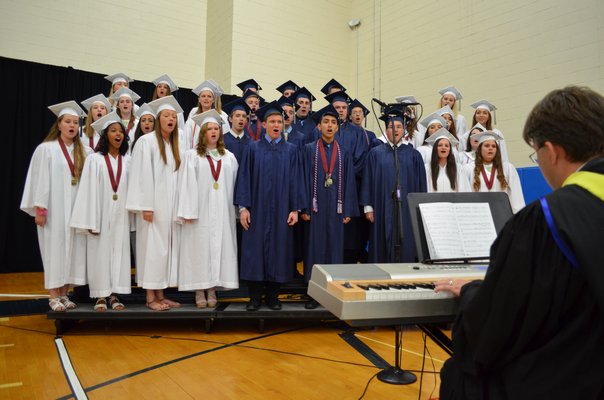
(395, 374)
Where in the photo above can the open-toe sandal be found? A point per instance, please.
(157, 305)
(55, 304)
(212, 298)
(70, 305)
(115, 303)
(169, 303)
(100, 305)
(200, 299)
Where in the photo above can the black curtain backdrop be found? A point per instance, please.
(29, 88)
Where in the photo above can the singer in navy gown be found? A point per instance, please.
(378, 183)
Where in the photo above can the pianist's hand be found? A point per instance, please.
(452, 286)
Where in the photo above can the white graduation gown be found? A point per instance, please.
(91, 143)
(514, 189)
(460, 125)
(153, 187)
(444, 184)
(208, 250)
(426, 153)
(48, 185)
(192, 129)
(108, 252)
(467, 157)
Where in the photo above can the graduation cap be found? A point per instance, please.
(119, 77)
(432, 119)
(269, 109)
(303, 93)
(331, 84)
(405, 99)
(442, 133)
(227, 98)
(486, 105)
(207, 85)
(166, 80)
(238, 104)
(249, 84)
(99, 98)
(327, 110)
(67, 108)
(487, 135)
(102, 123)
(289, 85)
(208, 116)
(144, 110)
(165, 103)
(124, 91)
(356, 103)
(286, 101)
(338, 96)
(452, 90)
(478, 126)
(251, 93)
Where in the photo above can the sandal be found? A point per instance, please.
(56, 305)
(70, 305)
(212, 298)
(115, 303)
(100, 305)
(200, 299)
(169, 303)
(157, 305)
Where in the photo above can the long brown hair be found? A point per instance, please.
(497, 164)
(451, 166)
(173, 142)
(489, 124)
(78, 148)
(202, 146)
(132, 117)
(155, 96)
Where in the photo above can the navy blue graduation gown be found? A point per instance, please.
(352, 138)
(325, 242)
(235, 145)
(252, 128)
(296, 138)
(376, 191)
(306, 126)
(268, 186)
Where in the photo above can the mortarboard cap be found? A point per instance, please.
(119, 77)
(237, 104)
(484, 104)
(247, 84)
(165, 103)
(478, 126)
(207, 85)
(451, 90)
(338, 96)
(286, 101)
(304, 93)
(445, 110)
(144, 110)
(327, 110)
(289, 85)
(208, 116)
(356, 103)
(99, 98)
(124, 91)
(167, 80)
(331, 84)
(406, 99)
(269, 109)
(487, 135)
(102, 123)
(251, 93)
(442, 133)
(432, 119)
(67, 108)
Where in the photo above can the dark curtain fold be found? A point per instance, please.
(29, 88)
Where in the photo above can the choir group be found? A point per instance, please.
(240, 191)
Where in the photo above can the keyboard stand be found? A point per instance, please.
(395, 375)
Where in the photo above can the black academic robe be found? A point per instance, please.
(306, 126)
(268, 186)
(534, 328)
(235, 145)
(325, 241)
(376, 191)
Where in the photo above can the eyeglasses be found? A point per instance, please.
(533, 157)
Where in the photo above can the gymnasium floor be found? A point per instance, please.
(178, 360)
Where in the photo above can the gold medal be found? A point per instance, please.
(215, 185)
(328, 182)
(74, 181)
(114, 196)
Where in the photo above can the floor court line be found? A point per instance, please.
(72, 378)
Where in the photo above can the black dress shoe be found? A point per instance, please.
(253, 305)
(311, 304)
(274, 304)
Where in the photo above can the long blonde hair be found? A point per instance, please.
(497, 164)
(88, 130)
(173, 142)
(202, 147)
(78, 150)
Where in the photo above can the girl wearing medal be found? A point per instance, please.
(208, 251)
(50, 190)
(152, 194)
(489, 173)
(100, 211)
(98, 106)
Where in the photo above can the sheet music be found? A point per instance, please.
(458, 230)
